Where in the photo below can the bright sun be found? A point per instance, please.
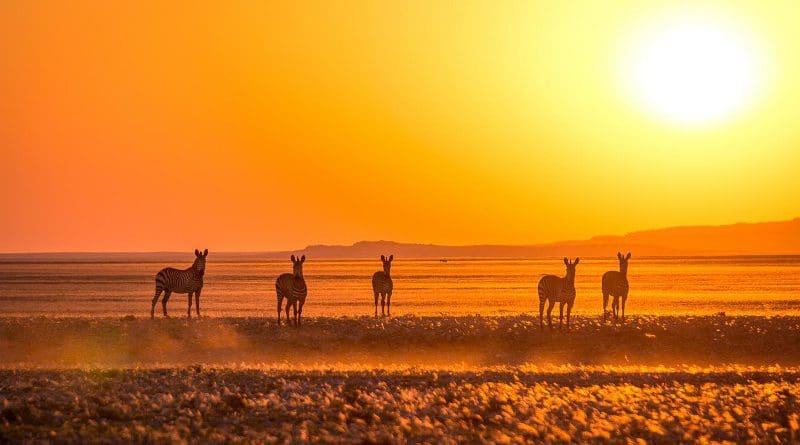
(693, 71)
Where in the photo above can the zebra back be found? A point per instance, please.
(291, 287)
(616, 282)
(381, 282)
(556, 289)
(178, 281)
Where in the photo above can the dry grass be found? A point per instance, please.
(441, 341)
(510, 404)
(445, 379)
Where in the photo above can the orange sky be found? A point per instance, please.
(272, 125)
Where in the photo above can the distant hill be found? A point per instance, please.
(769, 238)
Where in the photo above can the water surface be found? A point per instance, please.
(735, 285)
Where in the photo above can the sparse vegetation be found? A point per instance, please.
(444, 379)
(436, 406)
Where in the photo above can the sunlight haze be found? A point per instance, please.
(273, 125)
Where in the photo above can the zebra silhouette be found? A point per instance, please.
(292, 287)
(615, 283)
(187, 281)
(382, 285)
(561, 290)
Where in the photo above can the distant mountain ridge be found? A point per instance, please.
(767, 238)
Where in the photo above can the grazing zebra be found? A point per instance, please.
(557, 289)
(187, 281)
(615, 283)
(292, 287)
(382, 285)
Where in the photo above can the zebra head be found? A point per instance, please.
(387, 263)
(297, 265)
(623, 262)
(571, 268)
(200, 261)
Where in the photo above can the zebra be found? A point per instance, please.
(382, 285)
(615, 283)
(557, 289)
(292, 287)
(187, 281)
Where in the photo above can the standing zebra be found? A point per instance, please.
(186, 281)
(557, 289)
(615, 283)
(292, 287)
(382, 285)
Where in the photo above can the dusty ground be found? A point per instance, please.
(429, 379)
(200, 404)
(437, 341)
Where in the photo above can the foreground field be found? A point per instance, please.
(444, 379)
(443, 341)
(580, 404)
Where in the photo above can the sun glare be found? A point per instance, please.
(693, 71)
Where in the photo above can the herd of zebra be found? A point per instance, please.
(291, 287)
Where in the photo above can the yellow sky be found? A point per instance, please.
(267, 125)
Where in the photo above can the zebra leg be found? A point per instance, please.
(550, 305)
(541, 314)
(164, 300)
(189, 311)
(389, 304)
(288, 308)
(155, 300)
(294, 313)
(197, 302)
(280, 302)
(300, 312)
(624, 299)
(383, 304)
(605, 305)
(569, 312)
(376, 304)
(615, 307)
(560, 314)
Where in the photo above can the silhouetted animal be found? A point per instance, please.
(557, 289)
(615, 283)
(292, 287)
(382, 285)
(188, 281)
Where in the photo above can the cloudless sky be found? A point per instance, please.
(151, 125)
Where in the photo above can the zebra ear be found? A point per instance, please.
(619, 255)
(391, 258)
(292, 258)
(196, 252)
(628, 257)
(303, 259)
(577, 260)
(205, 252)
(566, 261)
(383, 259)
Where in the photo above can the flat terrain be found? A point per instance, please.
(432, 379)
(767, 285)
(444, 341)
(174, 405)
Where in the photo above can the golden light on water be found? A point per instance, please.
(694, 69)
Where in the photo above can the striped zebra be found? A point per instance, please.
(292, 287)
(555, 289)
(187, 281)
(615, 283)
(382, 285)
